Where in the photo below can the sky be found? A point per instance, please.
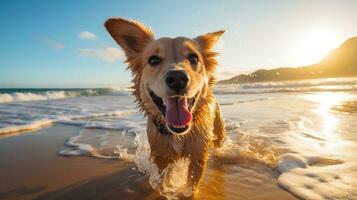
(63, 44)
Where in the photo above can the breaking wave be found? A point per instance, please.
(19, 95)
(319, 85)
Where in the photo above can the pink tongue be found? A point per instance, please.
(177, 113)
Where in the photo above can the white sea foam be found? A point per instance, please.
(327, 181)
(172, 182)
(28, 96)
(70, 120)
(302, 83)
(34, 95)
(28, 127)
(318, 85)
(80, 148)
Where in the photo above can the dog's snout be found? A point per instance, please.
(177, 80)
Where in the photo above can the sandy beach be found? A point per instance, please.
(32, 169)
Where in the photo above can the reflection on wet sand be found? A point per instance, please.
(234, 181)
(347, 107)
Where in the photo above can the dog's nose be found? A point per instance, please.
(177, 80)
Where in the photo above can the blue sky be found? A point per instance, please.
(64, 44)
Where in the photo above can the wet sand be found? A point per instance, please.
(31, 169)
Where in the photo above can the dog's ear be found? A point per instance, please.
(208, 40)
(132, 36)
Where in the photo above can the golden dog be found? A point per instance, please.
(172, 83)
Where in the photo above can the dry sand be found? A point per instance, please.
(31, 169)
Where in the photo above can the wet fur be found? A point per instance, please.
(207, 126)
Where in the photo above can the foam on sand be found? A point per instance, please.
(317, 182)
(10, 130)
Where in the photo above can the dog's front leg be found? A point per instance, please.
(195, 171)
(162, 162)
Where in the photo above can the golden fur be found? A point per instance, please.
(207, 126)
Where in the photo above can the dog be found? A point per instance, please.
(172, 84)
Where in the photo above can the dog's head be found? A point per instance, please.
(170, 74)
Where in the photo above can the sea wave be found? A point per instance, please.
(13, 95)
(320, 85)
(13, 130)
(83, 121)
(300, 84)
(238, 90)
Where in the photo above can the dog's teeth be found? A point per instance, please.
(178, 126)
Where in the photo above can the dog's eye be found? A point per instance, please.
(192, 58)
(154, 60)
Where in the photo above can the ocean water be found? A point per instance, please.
(302, 133)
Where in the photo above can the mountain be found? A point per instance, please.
(341, 62)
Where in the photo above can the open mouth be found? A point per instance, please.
(176, 110)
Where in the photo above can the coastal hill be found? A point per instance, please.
(340, 62)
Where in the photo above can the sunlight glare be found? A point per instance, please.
(328, 125)
(329, 121)
(315, 45)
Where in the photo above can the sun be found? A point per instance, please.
(315, 45)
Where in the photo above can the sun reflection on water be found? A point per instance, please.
(327, 101)
(328, 123)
